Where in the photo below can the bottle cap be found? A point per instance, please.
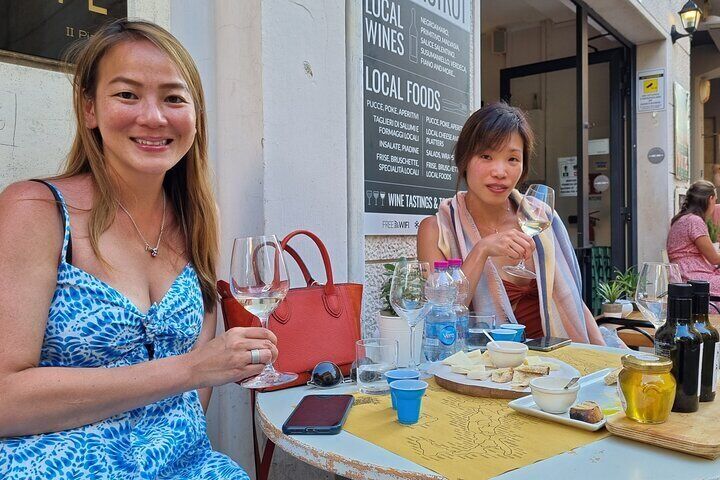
(700, 287)
(680, 290)
(455, 262)
(441, 264)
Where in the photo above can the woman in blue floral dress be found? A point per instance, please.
(107, 272)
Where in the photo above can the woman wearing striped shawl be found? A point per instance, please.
(481, 227)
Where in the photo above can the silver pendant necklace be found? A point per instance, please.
(507, 209)
(153, 250)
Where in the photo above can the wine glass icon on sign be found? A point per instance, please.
(382, 198)
(376, 194)
(368, 194)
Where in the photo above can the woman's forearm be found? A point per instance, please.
(49, 399)
(473, 267)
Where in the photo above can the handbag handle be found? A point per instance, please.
(303, 268)
(329, 285)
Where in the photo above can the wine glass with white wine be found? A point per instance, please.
(535, 215)
(652, 289)
(259, 281)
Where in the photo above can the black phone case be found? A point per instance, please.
(317, 430)
(548, 348)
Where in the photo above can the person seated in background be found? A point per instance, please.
(688, 241)
(107, 281)
(480, 226)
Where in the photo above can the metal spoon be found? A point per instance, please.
(572, 382)
(492, 340)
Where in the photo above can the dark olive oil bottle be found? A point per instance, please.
(678, 340)
(710, 337)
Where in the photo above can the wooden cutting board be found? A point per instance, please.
(460, 384)
(694, 433)
(479, 391)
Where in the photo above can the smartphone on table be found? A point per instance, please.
(547, 344)
(318, 415)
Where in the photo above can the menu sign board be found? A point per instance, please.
(45, 28)
(416, 97)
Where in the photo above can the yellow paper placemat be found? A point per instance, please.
(463, 437)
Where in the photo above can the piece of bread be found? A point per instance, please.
(540, 370)
(521, 379)
(611, 378)
(588, 412)
(502, 375)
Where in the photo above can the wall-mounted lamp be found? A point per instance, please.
(690, 17)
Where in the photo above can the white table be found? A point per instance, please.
(352, 457)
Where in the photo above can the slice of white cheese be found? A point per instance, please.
(533, 360)
(458, 359)
(459, 369)
(473, 354)
(479, 374)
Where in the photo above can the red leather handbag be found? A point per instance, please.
(313, 323)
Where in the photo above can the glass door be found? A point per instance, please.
(548, 92)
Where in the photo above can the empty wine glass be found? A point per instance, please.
(535, 214)
(407, 297)
(259, 281)
(652, 289)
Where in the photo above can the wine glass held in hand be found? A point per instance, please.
(652, 288)
(259, 282)
(407, 296)
(535, 215)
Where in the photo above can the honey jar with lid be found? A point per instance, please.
(646, 387)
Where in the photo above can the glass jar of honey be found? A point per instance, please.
(646, 387)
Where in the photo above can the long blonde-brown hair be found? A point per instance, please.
(187, 184)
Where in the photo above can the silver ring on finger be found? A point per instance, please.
(254, 356)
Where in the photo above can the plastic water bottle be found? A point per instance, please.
(440, 339)
(462, 288)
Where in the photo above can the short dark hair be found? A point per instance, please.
(490, 128)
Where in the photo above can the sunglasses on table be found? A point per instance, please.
(326, 375)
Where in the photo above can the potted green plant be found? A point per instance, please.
(611, 292)
(628, 280)
(387, 308)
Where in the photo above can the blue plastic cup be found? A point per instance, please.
(408, 397)
(503, 334)
(519, 331)
(400, 374)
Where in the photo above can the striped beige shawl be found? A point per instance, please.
(562, 311)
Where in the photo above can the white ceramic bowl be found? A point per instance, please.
(549, 395)
(507, 354)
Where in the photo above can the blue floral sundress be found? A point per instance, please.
(90, 324)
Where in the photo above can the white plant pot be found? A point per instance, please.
(627, 307)
(612, 310)
(396, 328)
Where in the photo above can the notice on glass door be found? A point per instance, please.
(416, 98)
(567, 167)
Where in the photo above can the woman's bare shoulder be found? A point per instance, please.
(30, 219)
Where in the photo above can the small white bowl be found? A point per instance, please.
(507, 354)
(549, 394)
